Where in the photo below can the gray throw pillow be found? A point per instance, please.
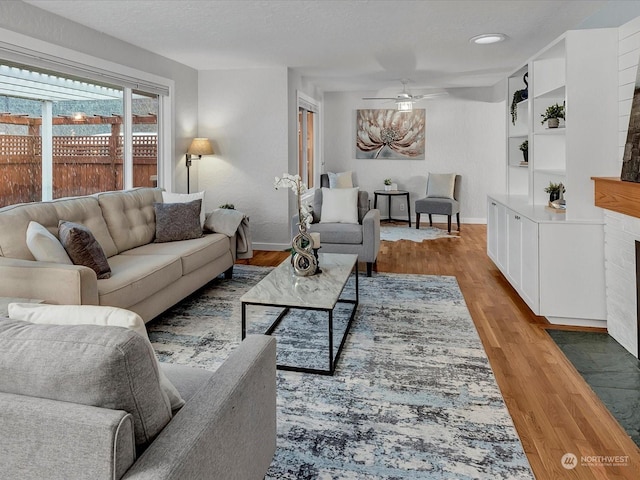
(101, 366)
(177, 221)
(83, 248)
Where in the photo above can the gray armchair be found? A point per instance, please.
(362, 239)
(440, 206)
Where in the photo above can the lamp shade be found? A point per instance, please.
(200, 146)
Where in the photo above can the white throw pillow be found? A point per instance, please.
(44, 246)
(340, 180)
(168, 197)
(339, 205)
(93, 315)
(441, 185)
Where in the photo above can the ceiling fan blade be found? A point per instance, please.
(378, 98)
(430, 95)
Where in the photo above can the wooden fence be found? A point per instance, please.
(82, 165)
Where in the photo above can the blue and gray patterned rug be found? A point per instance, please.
(413, 396)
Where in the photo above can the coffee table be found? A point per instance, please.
(322, 292)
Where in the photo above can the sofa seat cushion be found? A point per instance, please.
(437, 206)
(350, 233)
(94, 365)
(135, 277)
(187, 380)
(193, 253)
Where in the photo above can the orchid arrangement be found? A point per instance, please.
(295, 183)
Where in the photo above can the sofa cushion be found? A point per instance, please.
(44, 246)
(177, 221)
(92, 315)
(169, 197)
(130, 217)
(14, 221)
(350, 233)
(83, 248)
(136, 277)
(193, 253)
(86, 364)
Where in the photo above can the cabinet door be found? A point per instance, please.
(514, 248)
(501, 213)
(492, 230)
(529, 274)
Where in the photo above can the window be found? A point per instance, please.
(308, 139)
(63, 136)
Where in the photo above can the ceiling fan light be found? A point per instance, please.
(488, 38)
(404, 106)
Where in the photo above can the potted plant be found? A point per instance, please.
(519, 96)
(524, 148)
(389, 186)
(555, 191)
(552, 115)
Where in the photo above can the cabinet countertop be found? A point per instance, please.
(539, 213)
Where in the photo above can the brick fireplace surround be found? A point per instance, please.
(621, 203)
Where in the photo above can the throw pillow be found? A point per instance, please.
(83, 248)
(440, 185)
(340, 180)
(85, 364)
(177, 221)
(44, 246)
(339, 205)
(168, 197)
(93, 315)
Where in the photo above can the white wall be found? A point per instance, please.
(464, 136)
(36, 23)
(245, 115)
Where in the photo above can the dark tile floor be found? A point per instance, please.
(611, 372)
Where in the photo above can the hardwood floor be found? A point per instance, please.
(553, 409)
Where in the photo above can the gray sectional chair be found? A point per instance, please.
(52, 378)
(362, 238)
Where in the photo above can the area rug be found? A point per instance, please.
(413, 396)
(393, 234)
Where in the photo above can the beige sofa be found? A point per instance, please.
(147, 277)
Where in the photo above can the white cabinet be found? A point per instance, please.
(556, 266)
(578, 70)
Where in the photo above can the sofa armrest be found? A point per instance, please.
(370, 236)
(52, 282)
(227, 429)
(42, 438)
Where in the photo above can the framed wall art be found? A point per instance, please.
(389, 134)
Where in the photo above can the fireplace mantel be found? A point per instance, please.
(613, 194)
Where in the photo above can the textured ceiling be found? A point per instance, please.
(338, 45)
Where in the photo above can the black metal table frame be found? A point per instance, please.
(390, 194)
(333, 361)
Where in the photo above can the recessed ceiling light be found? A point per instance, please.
(487, 38)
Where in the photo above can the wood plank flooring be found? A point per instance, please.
(553, 409)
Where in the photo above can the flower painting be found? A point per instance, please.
(390, 134)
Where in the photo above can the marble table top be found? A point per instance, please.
(283, 287)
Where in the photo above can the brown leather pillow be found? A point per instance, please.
(83, 248)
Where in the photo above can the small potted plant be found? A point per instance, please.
(389, 186)
(552, 115)
(524, 148)
(555, 191)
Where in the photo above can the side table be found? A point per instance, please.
(390, 194)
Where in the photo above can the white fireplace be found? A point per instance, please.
(621, 232)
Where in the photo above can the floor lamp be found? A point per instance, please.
(199, 147)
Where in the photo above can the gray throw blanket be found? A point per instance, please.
(230, 222)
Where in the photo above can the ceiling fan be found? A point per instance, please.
(404, 100)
